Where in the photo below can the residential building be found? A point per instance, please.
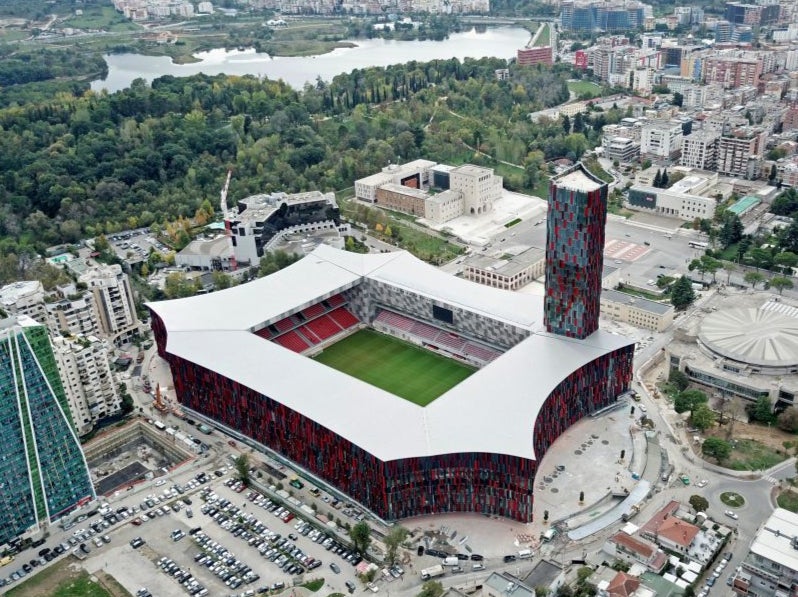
(509, 274)
(700, 150)
(479, 186)
(74, 314)
(623, 149)
(732, 70)
(629, 548)
(661, 141)
(24, 298)
(669, 531)
(502, 74)
(759, 13)
(574, 252)
(545, 574)
(770, 569)
(593, 15)
(113, 300)
(536, 55)
(42, 469)
(740, 152)
(636, 311)
(87, 380)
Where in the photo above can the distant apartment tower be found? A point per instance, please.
(113, 299)
(43, 473)
(532, 56)
(593, 15)
(732, 71)
(87, 379)
(700, 150)
(24, 298)
(754, 13)
(574, 252)
(661, 141)
(740, 152)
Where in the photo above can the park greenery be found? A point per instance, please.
(699, 503)
(78, 165)
(242, 465)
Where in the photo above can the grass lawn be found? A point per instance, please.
(581, 88)
(403, 369)
(544, 37)
(788, 500)
(101, 17)
(56, 581)
(751, 455)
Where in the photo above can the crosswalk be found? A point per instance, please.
(769, 479)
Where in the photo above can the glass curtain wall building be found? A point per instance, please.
(43, 473)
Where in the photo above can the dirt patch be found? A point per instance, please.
(110, 584)
(47, 582)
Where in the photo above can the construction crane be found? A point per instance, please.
(226, 215)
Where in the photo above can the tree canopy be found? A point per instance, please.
(717, 448)
(682, 293)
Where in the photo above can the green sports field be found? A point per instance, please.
(407, 371)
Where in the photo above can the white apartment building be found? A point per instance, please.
(24, 298)
(87, 379)
(205, 7)
(771, 567)
(661, 141)
(479, 186)
(113, 300)
(700, 150)
(75, 315)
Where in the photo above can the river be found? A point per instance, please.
(500, 42)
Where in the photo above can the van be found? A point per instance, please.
(525, 554)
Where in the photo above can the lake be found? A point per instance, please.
(500, 42)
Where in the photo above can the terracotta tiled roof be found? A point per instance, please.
(623, 585)
(677, 531)
(644, 549)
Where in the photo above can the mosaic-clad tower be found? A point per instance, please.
(574, 252)
(43, 474)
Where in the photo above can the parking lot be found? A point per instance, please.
(134, 245)
(211, 537)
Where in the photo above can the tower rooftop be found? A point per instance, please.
(579, 180)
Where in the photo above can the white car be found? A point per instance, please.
(643, 408)
(731, 515)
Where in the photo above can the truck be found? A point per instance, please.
(432, 572)
(450, 561)
(548, 535)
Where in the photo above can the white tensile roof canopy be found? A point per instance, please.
(492, 411)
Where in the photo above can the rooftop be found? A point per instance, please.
(506, 584)
(762, 337)
(215, 247)
(11, 293)
(643, 304)
(776, 541)
(214, 331)
(677, 531)
(634, 544)
(578, 179)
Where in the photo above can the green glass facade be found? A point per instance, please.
(43, 473)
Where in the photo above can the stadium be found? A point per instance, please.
(402, 386)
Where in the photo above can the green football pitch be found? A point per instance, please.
(403, 369)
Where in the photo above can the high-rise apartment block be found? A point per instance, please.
(73, 314)
(113, 299)
(591, 15)
(24, 298)
(43, 473)
(85, 370)
(661, 141)
(740, 152)
(700, 150)
(574, 252)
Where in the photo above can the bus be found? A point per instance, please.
(695, 244)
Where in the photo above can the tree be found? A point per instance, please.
(541, 591)
(566, 124)
(761, 411)
(393, 540)
(786, 260)
(717, 448)
(678, 99)
(788, 420)
(699, 503)
(657, 180)
(361, 536)
(431, 588)
(664, 180)
(753, 278)
(702, 418)
(780, 283)
(689, 400)
(242, 468)
(679, 379)
(682, 293)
